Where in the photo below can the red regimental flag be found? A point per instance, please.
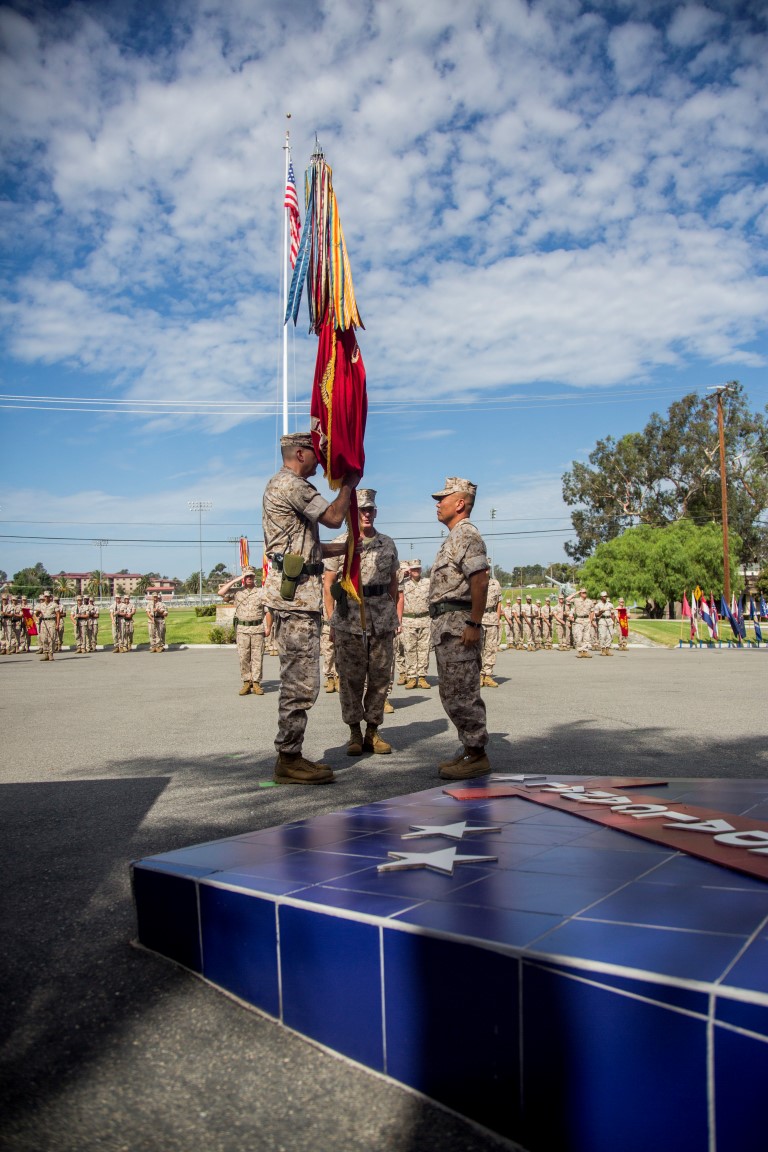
(29, 622)
(623, 621)
(339, 410)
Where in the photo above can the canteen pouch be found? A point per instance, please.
(293, 566)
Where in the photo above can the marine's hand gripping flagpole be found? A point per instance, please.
(339, 402)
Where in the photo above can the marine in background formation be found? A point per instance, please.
(157, 614)
(416, 627)
(491, 632)
(48, 617)
(604, 615)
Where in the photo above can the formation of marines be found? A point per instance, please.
(49, 617)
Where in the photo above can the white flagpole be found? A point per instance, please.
(287, 150)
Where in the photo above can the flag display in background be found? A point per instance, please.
(737, 611)
(291, 203)
(763, 607)
(244, 561)
(707, 617)
(266, 564)
(726, 613)
(715, 617)
(687, 614)
(753, 615)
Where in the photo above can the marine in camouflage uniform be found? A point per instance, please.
(530, 619)
(491, 630)
(157, 614)
(250, 630)
(416, 626)
(514, 617)
(605, 618)
(622, 616)
(128, 611)
(562, 624)
(292, 512)
(80, 616)
(364, 659)
(47, 616)
(458, 589)
(328, 656)
(545, 618)
(92, 626)
(581, 611)
(6, 629)
(23, 640)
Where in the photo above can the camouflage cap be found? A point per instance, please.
(415, 563)
(47, 592)
(603, 593)
(247, 571)
(296, 440)
(582, 590)
(366, 498)
(456, 484)
(528, 597)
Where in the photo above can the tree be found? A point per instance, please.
(143, 583)
(655, 565)
(31, 581)
(62, 586)
(671, 470)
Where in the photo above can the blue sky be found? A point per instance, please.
(556, 215)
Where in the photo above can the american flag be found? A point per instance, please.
(294, 220)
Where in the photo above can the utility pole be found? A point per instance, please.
(493, 517)
(723, 494)
(200, 506)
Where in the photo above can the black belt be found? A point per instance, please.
(444, 606)
(375, 589)
(414, 615)
(249, 623)
(307, 570)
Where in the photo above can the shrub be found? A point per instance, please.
(219, 635)
(205, 610)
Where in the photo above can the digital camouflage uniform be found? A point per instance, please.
(23, 639)
(364, 662)
(45, 613)
(291, 510)
(545, 618)
(581, 611)
(128, 611)
(328, 656)
(80, 616)
(605, 617)
(530, 619)
(562, 623)
(249, 636)
(157, 615)
(416, 627)
(6, 628)
(461, 554)
(491, 629)
(92, 626)
(515, 625)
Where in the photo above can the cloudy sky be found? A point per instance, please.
(556, 214)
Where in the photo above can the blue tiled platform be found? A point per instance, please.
(587, 991)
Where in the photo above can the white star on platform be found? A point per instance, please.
(452, 831)
(442, 861)
(517, 779)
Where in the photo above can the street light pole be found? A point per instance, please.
(723, 494)
(101, 544)
(200, 506)
(493, 517)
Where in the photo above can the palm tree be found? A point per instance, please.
(143, 584)
(62, 586)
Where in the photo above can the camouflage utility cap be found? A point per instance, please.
(366, 498)
(456, 484)
(296, 440)
(415, 563)
(249, 571)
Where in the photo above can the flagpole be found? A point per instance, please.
(287, 150)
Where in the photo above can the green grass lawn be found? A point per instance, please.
(182, 627)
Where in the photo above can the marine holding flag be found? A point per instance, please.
(292, 513)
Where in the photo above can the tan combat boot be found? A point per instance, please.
(330, 684)
(388, 707)
(474, 762)
(355, 742)
(422, 683)
(246, 688)
(490, 682)
(292, 768)
(374, 743)
(412, 683)
(401, 680)
(257, 689)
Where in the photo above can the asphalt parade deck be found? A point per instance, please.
(108, 761)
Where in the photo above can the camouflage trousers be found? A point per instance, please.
(605, 633)
(250, 649)
(490, 648)
(531, 637)
(81, 635)
(416, 637)
(22, 638)
(327, 653)
(6, 634)
(398, 661)
(91, 635)
(364, 665)
(297, 635)
(582, 634)
(563, 634)
(46, 637)
(157, 632)
(546, 632)
(458, 669)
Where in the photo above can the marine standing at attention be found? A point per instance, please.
(292, 513)
(250, 628)
(364, 659)
(458, 588)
